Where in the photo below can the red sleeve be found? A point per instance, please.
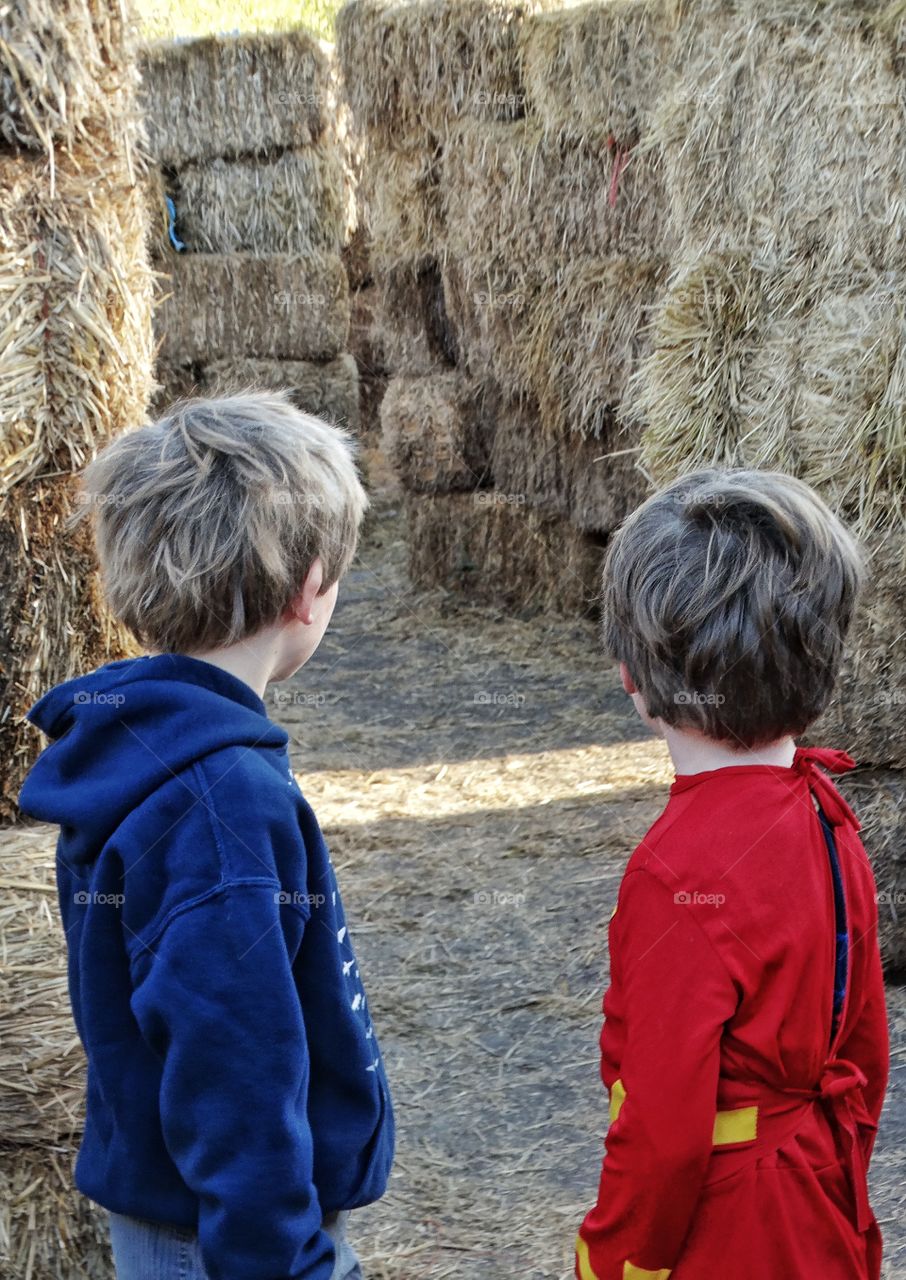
(676, 995)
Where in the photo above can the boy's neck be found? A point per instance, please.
(694, 753)
(252, 660)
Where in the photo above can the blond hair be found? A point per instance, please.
(207, 521)
(728, 595)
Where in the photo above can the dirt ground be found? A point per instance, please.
(482, 780)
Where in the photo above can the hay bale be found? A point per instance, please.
(278, 307)
(367, 349)
(43, 1063)
(598, 64)
(594, 484)
(365, 342)
(414, 331)
(781, 364)
(297, 202)
(491, 306)
(879, 799)
(786, 132)
(356, 255)
(155, 185)
(437, 432)
(235, 95)
(584, 338)
(521, 194)
(53, 622)
(48, 1231)
(75, 309)
(865, 716)
(67, 75)
(496, 550)
(372, 389)
(849, 406)
(401, 193)
(713, 391)
(414, 67)
(174, 381)
(329, 390)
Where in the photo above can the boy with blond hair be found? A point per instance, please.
(237, 1106)
(745, 1038)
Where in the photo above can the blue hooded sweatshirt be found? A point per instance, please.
(235, 1084)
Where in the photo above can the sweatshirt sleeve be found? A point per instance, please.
(676, 994)
(217, 1003)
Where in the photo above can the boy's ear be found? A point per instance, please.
(301, 606)
(628, 682)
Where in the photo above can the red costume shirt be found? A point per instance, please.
(743, 1113)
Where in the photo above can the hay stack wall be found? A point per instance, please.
(779, 339)
(255, 212)
(517, 243)
(619, 241)
(75, 370)
(75, 332)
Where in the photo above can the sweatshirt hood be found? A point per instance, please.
(121, 732)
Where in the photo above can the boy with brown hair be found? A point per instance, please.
(745, 1038)
(237, 1105)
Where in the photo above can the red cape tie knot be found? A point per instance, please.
(840, 1087)
(840, 1076)
(806, 762)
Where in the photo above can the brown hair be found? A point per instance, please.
(207, 521)
(728, 595)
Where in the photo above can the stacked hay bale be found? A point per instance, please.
(252, 155)
(75, 369)
(623, 240)
(781, 338)
(75, 333)
(517, 246)
(47, 1229)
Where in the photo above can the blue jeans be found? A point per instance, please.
(154, 1251)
